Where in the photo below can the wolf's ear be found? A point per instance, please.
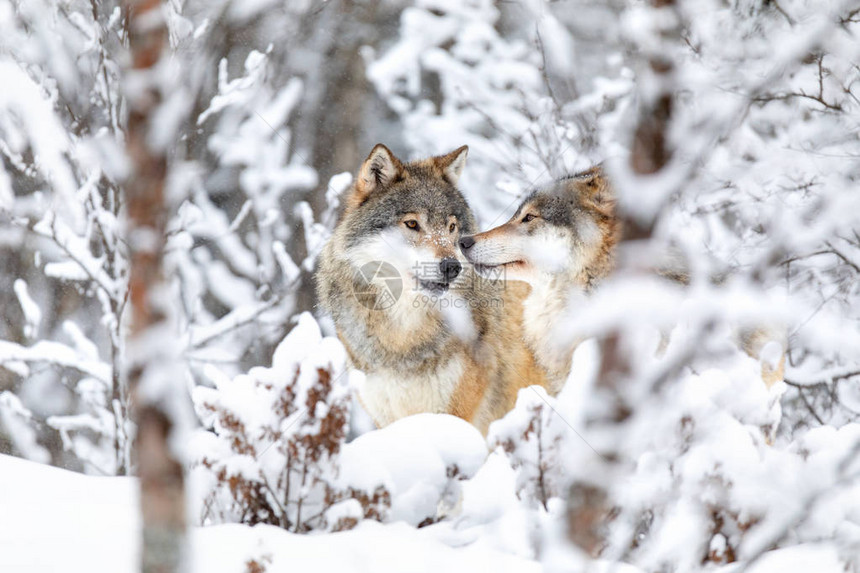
(592, 178)
(596, 187)
(379, 169)
(452, 164)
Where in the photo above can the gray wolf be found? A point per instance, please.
(562, 241)
(446, 341)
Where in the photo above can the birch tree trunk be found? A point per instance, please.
(152, 377)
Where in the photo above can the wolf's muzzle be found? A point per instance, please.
(467, 243)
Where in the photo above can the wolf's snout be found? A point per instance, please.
(450, 268)
(467, 242)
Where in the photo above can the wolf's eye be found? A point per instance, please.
(412, 224)
(452, 227)
(528, 218)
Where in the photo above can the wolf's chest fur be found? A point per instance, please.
(391, 395)
(412, 363)
(544, 317)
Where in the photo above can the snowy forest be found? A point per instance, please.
(174, 398)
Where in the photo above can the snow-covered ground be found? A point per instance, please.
(75, 523)
(57, 520)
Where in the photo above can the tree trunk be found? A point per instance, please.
(150, 374)
(589, 506)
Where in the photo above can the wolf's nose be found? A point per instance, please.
(467, 242)
(450, 268)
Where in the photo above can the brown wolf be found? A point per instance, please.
(561, 241)
(428, 333)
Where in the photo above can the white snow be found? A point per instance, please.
(16, 420)
(74, 523)
(39, 126)
(31, 310)
(45, 351)
(83, 523)
(412, 458)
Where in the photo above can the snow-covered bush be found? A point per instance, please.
(274, 449)
(274, 437)
(697, 483)
(531, 437)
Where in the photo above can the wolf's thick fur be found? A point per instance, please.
(561, 241)
(451, 342)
